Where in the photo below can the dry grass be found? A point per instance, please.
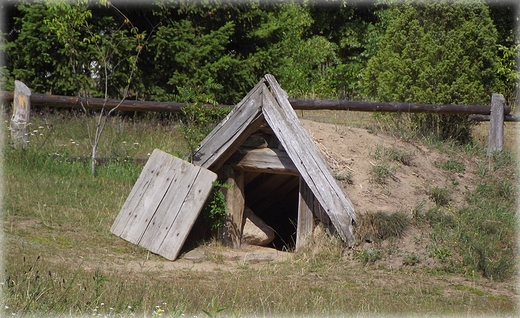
(61, 260)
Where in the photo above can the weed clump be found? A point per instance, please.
(379, 226)
(368, 256)
(440, 196)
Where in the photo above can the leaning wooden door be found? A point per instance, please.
(164, 204)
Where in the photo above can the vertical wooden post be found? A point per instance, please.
(235, 201)
(305, 221)
(21, 115)
(496, 124)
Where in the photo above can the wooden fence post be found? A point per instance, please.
(496, 124)
(21, 115)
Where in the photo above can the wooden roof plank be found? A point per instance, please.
(229, 129)
(307, 158)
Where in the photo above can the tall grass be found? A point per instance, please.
(480, 237)
(61, 260)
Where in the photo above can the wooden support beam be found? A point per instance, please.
(496, 124)
(305, 225)
(21, 115)
(235, 202)
(98, 103)
(264, 160)
(507, 118)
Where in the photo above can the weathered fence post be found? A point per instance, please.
(21, 115)
(496, 124)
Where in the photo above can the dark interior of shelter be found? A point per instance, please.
(274, 198)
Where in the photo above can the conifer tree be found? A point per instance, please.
(441, 52)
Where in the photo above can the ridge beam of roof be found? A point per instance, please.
(307, 158)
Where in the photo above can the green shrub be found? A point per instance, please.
(215, 209)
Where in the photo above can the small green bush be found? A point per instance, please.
(215, 209)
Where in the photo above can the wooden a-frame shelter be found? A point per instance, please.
(266, 156)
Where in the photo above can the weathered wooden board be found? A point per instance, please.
(305, 223)
(235, 201)
(496, 124)
(164, 204)
(264, 160)
(307, 158)
(231, 132)
(21, 115)
(139, 199)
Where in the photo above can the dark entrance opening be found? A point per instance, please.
(274, 199)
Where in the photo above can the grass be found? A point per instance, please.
(441, 196)
(386, 158)
(381, 172)
(453, 165)
(379, 226)
(61, 260)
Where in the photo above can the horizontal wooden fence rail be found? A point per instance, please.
(307, 104)
(96, 103)
(496, 113)
(301, 104)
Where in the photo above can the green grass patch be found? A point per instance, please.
(393, 154)
(381, 172)
(453, 165)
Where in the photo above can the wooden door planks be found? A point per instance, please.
(164, 204)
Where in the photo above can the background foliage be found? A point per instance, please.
(408, 51)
